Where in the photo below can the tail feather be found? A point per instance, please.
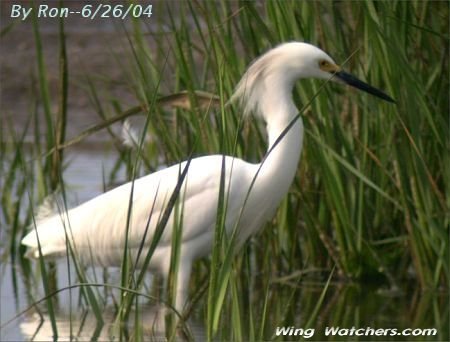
(51, 239)
(48, 226)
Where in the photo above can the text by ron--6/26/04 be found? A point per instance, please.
(89, 11)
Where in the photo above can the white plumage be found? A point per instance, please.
(96, 229)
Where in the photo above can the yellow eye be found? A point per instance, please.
(323, 64)
(327, 66)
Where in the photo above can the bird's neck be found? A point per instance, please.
(274, 175)
(285, 135)
(285, 140)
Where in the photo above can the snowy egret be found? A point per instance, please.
(97, 228)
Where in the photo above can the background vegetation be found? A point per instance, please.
(370, 203)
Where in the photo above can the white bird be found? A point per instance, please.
(97, 229)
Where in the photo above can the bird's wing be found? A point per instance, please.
(101, 223)
(195, 212)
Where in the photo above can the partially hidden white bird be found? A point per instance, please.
(97, 230)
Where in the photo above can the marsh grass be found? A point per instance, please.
(370, 200)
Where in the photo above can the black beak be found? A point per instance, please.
(354, 82)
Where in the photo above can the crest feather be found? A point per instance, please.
(253, 84)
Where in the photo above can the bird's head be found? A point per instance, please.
(302, 60)
(279, 68)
